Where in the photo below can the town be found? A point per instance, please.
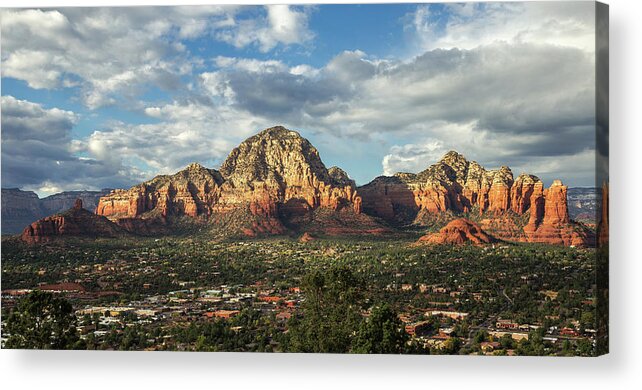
(197, 294)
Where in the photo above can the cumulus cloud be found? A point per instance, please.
(188, 132)
(282, 24)
(39, 154)
(523, 99)
(115, 54)
(411, 157)
(469, 25)
(503, 83)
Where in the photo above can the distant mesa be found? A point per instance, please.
(459, 232)
(75, 222)
(20, 208)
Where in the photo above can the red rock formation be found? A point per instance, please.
(190, 192)
(75, 222)
(285, 166)
(455, 185)
(555, 206)
(459, 232)
(499, 194)
(452, 184)
(522, 192)
(275, 175)
(549, 221)
(306, 237)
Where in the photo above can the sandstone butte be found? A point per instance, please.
(74, 222)
(458, 232)
(275, 176)
(455, 185)
(275, 182)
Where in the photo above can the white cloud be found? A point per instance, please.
(188, 132)
(469, 25)
(482, 85)
(501, 103)
(412, 157)
(39, 154)
(115, 54)
(282, 24)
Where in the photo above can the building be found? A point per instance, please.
(506, 324)
(455, 315)
(222, 313)
(419, 328)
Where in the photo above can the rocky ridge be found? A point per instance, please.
(459, 186)
(75, 222)
(275, 176)
(275, 183)
(459, 232)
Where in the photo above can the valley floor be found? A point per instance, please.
(283, 295)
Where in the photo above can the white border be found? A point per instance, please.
(620, 369)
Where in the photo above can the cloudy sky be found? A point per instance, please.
(108, 97)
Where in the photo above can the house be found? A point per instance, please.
(270, 299)
(569, 332)
(419, 328)
(488, 346)
(517, 336)
(506, 324)
(222, 314)
(455, 315)
(444, 333)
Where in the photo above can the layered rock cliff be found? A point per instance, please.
(549, 221)
(277, 176)
(452, 184)
(459, 232)
(20, 208)
(278, 167)
(455, 185)
(75, 222)
(192, 192)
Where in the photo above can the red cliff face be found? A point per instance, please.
(452, 184)
(456, 185)
(555, 205)
(75, 222)
(549, 221)
(191, 192)
(275, 175)
(459, 232)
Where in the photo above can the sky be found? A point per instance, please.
(109, 97)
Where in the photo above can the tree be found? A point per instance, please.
(331, 312)
(42, 321)
(480, 336)
(383, 332)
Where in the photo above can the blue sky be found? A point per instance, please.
(108, 97)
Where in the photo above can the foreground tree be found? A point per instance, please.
(382, 332)
(331, 312)
(42, 321)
